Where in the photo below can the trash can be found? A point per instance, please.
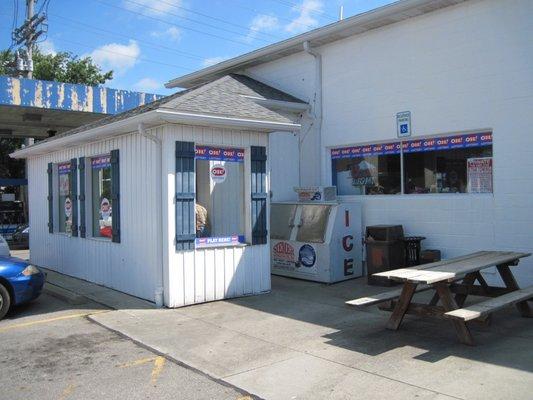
(412, 250)
(429, 256)
(385, 250)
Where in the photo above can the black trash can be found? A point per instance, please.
(384, 251)
(412, 250)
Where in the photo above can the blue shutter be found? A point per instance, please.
(50, 171)
(185, 194)
(259, 195)
(81, 196)
(73, 177)
(115, 195)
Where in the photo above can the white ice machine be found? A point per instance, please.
(316, 241)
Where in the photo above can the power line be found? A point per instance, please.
(176, 25)
(292, 5)
(196, 21)
(148, 43)
(124, 55)
(247, 28)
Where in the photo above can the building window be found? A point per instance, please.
(64, 198)
(454, 164)
(449, 164)
(219, 206)
(101, 199)
(369, 170)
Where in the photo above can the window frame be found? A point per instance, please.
(246, 174)
(89, 208)
(331, 170)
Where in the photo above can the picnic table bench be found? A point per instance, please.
(443, 277)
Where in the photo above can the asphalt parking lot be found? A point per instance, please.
(49, 349)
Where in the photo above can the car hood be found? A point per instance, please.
(12, 266)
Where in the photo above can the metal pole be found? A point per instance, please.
(402, 183)
(29, 39)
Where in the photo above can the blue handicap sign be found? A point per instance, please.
(404, 128)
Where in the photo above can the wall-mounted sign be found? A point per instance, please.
(403, 123)
(218, 173)
(219, 154)
(479, 175)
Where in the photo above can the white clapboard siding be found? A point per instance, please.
(202, 275)
(131, 266)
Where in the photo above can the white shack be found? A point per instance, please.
(458, 172)
(169, 198)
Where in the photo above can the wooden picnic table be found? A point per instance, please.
(444, 277)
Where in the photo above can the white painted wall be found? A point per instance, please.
(466, 67)
(131, 266)
(202, 275)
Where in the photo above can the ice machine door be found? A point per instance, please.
(313, 223)
(281, 220)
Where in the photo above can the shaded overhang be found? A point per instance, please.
(377, 18)
(36, 108)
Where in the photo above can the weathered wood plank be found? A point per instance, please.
(382, 297)
(397, 315)
(510, 282)
(449, 304)
(488, 306)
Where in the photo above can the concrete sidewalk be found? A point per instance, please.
(300, 341)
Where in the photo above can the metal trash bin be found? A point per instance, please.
(385, 250)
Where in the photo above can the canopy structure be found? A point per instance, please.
(36, 108)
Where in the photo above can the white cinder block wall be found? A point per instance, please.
(465, 67)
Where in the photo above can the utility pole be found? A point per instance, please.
(29, 41)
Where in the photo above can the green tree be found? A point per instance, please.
(61, 67)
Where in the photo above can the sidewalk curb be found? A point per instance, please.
(64, 294)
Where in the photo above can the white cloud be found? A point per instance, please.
(172, 33)
(147, 85)
(213, 60)
(153, 7)
(262, 23)
(47, 47)
(305, 19)
(116, 56)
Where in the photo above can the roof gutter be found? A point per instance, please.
(211, 120)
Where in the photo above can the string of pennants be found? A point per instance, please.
(414, 146)
(219, 154)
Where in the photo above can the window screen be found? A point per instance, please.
(64, 198)
(281, 220)
(102, 204)
(313, 222)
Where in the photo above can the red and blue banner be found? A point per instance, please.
(219, 154)
(101, 162)
(219, 241)
(63, 168)
(414, 146)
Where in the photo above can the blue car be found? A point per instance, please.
(20, 282)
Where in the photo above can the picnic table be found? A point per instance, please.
(451, 277)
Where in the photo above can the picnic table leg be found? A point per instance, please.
(510, 283)
(449, 304)
(468, 280)
(399, 311)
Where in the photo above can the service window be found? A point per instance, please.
(64, 197)
(313, 223)
(367, 170)
(454, 164)
(102, 204)
(282, 220)
(219, 207)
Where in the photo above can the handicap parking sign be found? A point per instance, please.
(403, 122)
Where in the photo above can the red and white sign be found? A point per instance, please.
(479, 175)
(218, 173)
(283, 251)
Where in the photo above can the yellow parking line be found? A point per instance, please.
(44, 321)
(67, 392)
(137, 362)
(158, 367)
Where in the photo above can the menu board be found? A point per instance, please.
(479, 171)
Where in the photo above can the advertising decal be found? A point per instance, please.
(219, 154)
(414, 146)
(479, 175)
(101, 162)
(218, 173)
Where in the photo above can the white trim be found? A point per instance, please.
(279, 104)
(226, 122)
(152, 118)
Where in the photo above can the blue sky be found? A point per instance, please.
(148, 42)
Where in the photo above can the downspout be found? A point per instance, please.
(160, 284)
(317, 103)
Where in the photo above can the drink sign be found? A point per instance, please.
(218, 173)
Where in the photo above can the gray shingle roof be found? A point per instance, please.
(226, 96)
